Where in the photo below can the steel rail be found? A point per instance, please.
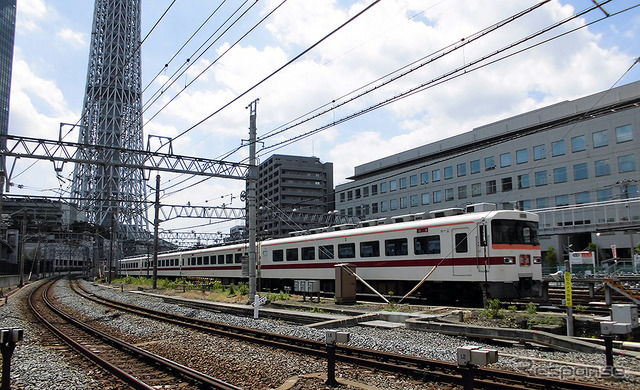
(416, 367)
(204, 380)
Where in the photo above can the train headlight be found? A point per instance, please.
(537, 260)
(509, 260)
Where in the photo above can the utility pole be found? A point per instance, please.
(252, 178)
(156, 226)
(22, 242)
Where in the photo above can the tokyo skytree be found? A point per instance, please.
(112, 117)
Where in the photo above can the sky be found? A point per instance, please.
(52, 48)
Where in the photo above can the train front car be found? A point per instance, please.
(513, 266)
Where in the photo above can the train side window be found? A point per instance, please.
(229, 258)
(220, 259)
(396, 247)
(370, 249)
(292, 254)
(205, 260)
(278, 255)
(238, 258)
(199, 260)
(309, 253)
(426, 245)
(346, 251)
(325, 252)
(461, 243)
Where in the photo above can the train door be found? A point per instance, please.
(461, 252)
(482, 248)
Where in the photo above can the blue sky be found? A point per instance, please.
(52, 44)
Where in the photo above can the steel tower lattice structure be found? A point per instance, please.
(112, 116)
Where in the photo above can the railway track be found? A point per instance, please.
(134, 366)
(415, 367)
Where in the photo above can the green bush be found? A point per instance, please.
(280, 296)
(512, 308)
(531, 308)
(493, 309)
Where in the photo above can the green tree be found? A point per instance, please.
(552, 257)
(595, 249)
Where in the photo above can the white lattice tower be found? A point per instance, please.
(112, 117)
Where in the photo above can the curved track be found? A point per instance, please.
(136, 367)
(416, 367)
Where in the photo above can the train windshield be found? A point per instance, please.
(506, 231)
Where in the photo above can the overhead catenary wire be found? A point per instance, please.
(280, 68)
(457, 72)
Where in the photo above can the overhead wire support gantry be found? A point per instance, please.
(61, 152)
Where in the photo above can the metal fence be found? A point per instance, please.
(620, 214)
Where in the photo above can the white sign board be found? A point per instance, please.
(588, 258)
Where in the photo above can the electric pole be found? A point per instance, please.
(252, 178)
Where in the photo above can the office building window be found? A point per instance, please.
(435, 175)
(562, 200)
(507, 184)
(505, 160)
(539, 152)
(522, 156)
(560, 175)
(413, 200)
(583, 197)
(489, 163)
(524, 204)
(491, 187)
(349, 195)
(393, 185)
(523, 181)
(606, 194)
(542, 203)
(425, 198)
(578, 143)
(413, 180)
(602, 168)
(358, 193)
(393, 204)
(475, 166)
(628, 191)
(384, 206)
(600, 139)
(624, 133)
(342, 197)
(403, 202)
(448, 173)
(462, 192)
(374, 189)
(424, 178)
(448, 194)
(476, 189)
(437, 196)
(403, 183)
(383, 187)
(462, 169)
(541, 178)
(374, 208)
(627, 163)
(580, 171)
(557, 148)
(365, 192)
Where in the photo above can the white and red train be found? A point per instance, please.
(496, 250)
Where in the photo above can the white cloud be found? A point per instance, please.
(30, 14)
(73, 38)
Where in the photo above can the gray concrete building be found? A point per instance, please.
(7, 36)
(290, 185)
(575, 163)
